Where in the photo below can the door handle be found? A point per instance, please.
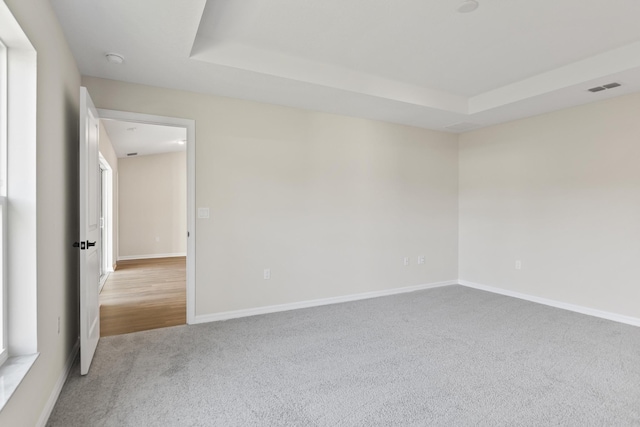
(82, 245)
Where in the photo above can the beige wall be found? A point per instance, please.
(57, 209)
(561, 193)
(109, 154)
(331, 204)
(153, 205)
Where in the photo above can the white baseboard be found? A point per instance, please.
(55, 393)
(634, 321)
(226, 315)
(150, 256)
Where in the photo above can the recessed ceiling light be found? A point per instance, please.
(115, 58)
(468, 6)
(132, 129)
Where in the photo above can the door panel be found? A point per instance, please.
(89, 231)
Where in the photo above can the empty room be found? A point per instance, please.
(397, 213)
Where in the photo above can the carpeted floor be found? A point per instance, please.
(449, 356)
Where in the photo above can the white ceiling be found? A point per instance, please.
(144, 139)
(415, 62)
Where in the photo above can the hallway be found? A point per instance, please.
(144, 294)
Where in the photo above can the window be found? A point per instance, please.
(18, 215)
(3, 201)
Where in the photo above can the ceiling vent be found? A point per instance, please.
(604, 87)
(462, 127)
(132, 154)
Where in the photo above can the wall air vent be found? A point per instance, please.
(462, 127)
(604, 87)
(132, 154)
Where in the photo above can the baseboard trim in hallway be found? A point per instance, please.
(151, 256)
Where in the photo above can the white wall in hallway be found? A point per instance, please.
(152, 208)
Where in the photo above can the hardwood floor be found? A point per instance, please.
(144, 294)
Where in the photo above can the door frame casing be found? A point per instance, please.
(107, 219)
(190, 126)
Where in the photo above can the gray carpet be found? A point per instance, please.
(442, 357)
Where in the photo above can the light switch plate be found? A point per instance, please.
(203, 213)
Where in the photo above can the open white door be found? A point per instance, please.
(89, 231)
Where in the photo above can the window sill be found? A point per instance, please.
(12, 372)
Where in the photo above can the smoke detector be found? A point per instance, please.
(467, 6)
(114, 58)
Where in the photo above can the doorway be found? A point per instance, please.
(152, 245)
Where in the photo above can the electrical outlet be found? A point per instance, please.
(518, 265)
(157, 238)
(267, 274)
(406, 260)
(421, 259)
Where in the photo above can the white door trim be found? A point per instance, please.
(190, 125)
(106, 207)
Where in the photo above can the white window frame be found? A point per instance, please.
(19, 205)
(20, 254)
(4, 353)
